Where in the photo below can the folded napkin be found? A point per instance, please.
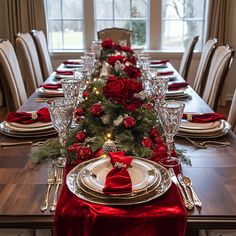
(64, 72)
(71, 62)
(159, 62)
(51, 86)
(118, 179)
(202, 118)
(42, 115)
(176, 86)
(166, 73)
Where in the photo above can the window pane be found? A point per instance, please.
(73, 34)
(139, 33)
(55, 34)
(122, 9)
(72, 9)
(102, 24)
(181, 20)
(104, 9)
(122, 24)
(54, 9)
(139, 8)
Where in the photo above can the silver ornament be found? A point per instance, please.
(109, 146)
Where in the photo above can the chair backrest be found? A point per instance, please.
(116, 34)
(43, 53)
(187, 58)
(220, 64)
(29, 62)
(232, 113)
(11, 79)
(204, 64)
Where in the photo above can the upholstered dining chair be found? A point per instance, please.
(29, 62)
(220, 65)
(116, 34)
(204, 64)
(187, 58)
(11, 79)
(43, 53)
(232, 113)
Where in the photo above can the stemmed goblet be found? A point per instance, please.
(170, 114)
(61, 112)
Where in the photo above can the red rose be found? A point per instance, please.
(134, 86)
(133, 71)
(130, 107)
(112, 59)
(146, 142)
(126, 49)
(149, 106)
(81, 136)
(154, 132)
(111, 78)
(116, 90)
(129, 122)
(107, 44)
(96, 109)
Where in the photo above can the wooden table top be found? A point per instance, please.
(213, 173)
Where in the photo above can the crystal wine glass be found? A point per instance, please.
(170, 114)
(71, 89)
(61, 112)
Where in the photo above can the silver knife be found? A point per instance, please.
(187, 204)
(180, 178)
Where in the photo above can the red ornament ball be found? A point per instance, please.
(81, 136)
(74, 147)
(84, 153)
(146, 142)
(96, 109)
(86, 93)
(79, 111)
(129, 122)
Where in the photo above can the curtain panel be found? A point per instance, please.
(21, 16)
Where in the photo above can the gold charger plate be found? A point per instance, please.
(143, 176)
(155, 192)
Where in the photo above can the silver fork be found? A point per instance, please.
(208, 143)
(59, 180)
(50, 182)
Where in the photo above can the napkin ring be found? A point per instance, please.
(34, 115)
(189, 117)
(119, 165)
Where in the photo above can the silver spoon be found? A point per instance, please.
(188, 183)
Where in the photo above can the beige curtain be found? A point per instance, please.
(217, 22)
(21, 16)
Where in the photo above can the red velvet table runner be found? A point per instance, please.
(164, 216)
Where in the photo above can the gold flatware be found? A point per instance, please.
(187, 204)
(188, 183)
(59, 180)
(181, 180)
(50, 182)
(12, 144)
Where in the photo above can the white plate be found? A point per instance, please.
(60, 76)
(143, 175)
(50, 92)
(200, 126)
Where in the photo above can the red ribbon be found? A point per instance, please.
(176, 86)
(118, 179)
(202, 118)
(42, 115)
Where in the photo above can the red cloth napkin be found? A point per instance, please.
(51, 86)
(163, 216)
(71, 62)
(176, 86)
(166, 73)
(42, 115)
(159, 62)
(64, 72)
(118, 179)
(202, 118)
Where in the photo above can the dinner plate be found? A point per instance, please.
(143, 175)
(60, 76)
(50, 92)
(203, 131)
(216, 134)
(27, 129)
(157, 191)
(73, 65)
(199, 126)
(33, 125)
(176, 92)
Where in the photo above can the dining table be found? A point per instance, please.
(23, 185)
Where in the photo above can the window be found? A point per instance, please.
(129, 14)
(156, 24)
(65, 24)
